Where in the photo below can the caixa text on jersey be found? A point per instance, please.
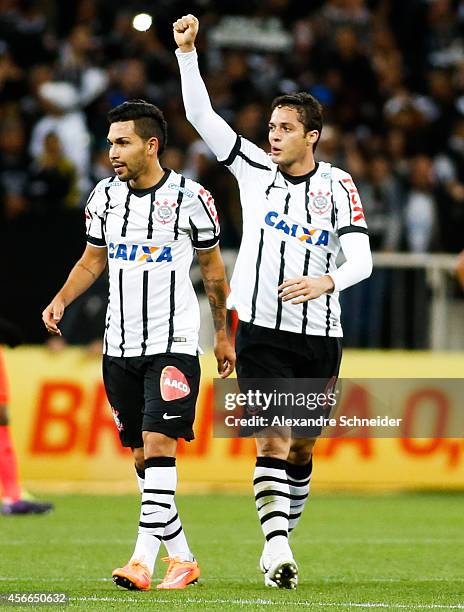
(309, 236)
(139, 252)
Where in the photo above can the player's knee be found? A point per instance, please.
(3, 414)
(158, 445)
(139, 458)
(300, 452)
(272, 447)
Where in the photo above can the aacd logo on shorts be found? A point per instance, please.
(173, 384)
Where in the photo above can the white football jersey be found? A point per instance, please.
(150, 235)
(291, 228)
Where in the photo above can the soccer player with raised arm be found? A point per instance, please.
(297, 215)
(145, 223)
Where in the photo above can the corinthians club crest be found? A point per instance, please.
(164, 211)
(117, 420)
(320, 203)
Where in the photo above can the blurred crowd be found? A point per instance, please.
(389, 73)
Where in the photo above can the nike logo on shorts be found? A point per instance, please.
(167, 416)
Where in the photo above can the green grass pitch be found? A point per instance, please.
(358, 552)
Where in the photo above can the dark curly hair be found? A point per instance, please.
(148, 120)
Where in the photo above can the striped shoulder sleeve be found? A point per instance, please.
(348, 205)
(95, 213)
(202, 219)
(246, 158)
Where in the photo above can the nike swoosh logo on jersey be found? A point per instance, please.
(150, 513)
(167, 416)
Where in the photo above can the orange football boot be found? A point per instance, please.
(179, 574)
(134, 576)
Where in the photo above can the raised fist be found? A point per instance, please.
(185, 32)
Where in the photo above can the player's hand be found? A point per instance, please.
(225, 354)
(185, 32)
(304, 288)
(53, 314)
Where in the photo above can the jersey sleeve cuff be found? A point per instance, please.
(206, 244)
(350, 229)
(334, 276)
(185, 54)
(96, 242)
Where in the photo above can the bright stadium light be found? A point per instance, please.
(142, 22)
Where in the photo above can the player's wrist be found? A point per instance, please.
(186, 48)
(330, 283)
(60, 298)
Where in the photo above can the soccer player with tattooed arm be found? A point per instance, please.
(145, 223)
(297, 215)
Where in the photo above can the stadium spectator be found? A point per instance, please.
(53, 180)
(63, 117)
(382, 195)
(77, 61)
(14, 170)
(421, 206)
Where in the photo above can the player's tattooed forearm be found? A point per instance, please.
(216, 290)
(92, 274)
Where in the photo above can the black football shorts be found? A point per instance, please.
(152, 393)
(267, 355)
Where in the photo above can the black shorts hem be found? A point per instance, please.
(185, 435)
(130, 443)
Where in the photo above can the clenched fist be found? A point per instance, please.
(185, 32)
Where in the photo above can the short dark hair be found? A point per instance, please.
(309, 110)
(148, 120)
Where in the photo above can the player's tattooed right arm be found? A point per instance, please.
(216, 287)
(215, 282)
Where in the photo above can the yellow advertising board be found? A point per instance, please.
(65, 435)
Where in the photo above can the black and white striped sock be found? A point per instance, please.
(174, 536)
(272, 498)
(157, 498)
(299, 481)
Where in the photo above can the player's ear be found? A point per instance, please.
(311, 137)
(152, 146)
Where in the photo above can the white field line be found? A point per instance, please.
(269, 602)
(331, 541)
(335, 579)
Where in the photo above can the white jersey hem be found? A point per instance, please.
(338, 333)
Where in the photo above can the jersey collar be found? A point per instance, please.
(296, 180)
(143, 192)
